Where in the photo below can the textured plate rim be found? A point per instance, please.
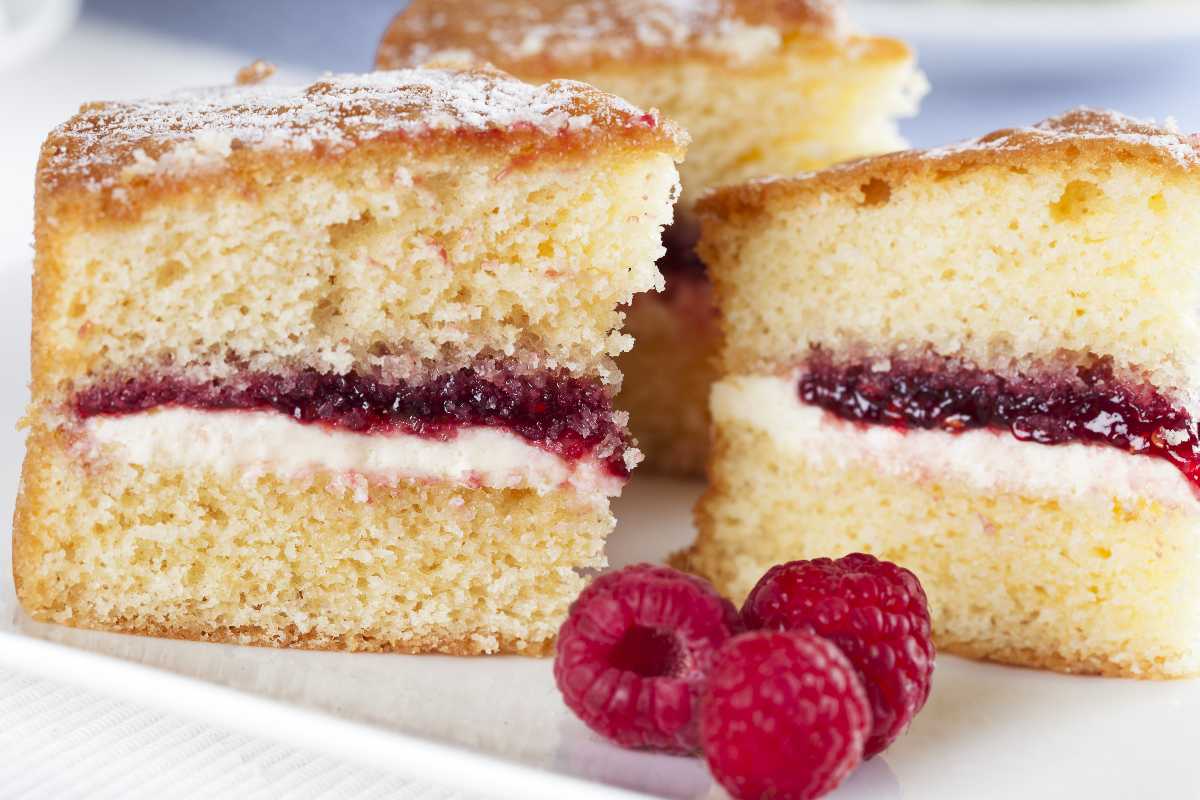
(307, 729)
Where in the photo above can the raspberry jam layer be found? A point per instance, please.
(1089, 407)
(570, 417)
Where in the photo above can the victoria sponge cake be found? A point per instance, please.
(763, 87)
(330, 366)
(982, 362)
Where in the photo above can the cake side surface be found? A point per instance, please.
(809, 105)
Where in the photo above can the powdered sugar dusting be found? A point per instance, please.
(198, 129)
(1081, 125)
(594, 30)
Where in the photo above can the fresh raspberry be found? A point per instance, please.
(875, 611)
(633, 655)
(785, 716)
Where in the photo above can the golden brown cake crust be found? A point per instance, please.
(547, 37)
(122, 151)
(359, 643)
(1031, 658)
(1090, 134)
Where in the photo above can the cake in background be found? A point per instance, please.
(762, 87)
(981, 362)
(330, 366)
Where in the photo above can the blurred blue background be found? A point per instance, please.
(318, 34)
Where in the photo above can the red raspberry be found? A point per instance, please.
(874, 611)
(785, 716)
(633, 655)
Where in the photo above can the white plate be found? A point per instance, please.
(497, 726)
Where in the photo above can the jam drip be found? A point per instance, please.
(1089, 407)
(571, 417)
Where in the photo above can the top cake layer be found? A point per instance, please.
(126, 144)
(397, 226)
(549, 37)
(1027, 251)
(762, 87)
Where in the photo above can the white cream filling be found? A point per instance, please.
(985, 459)
(252, 443)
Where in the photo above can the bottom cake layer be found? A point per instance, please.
(1088, 583)
(254, 559)
(667, 375)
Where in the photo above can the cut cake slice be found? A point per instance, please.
(982, 362)
(331, 366)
